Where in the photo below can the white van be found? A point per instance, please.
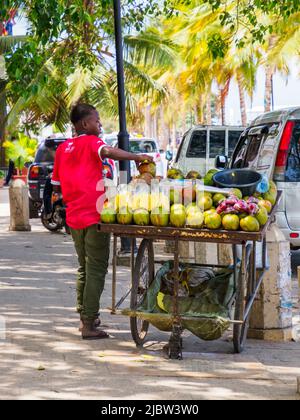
(271, 146)
(202, 144)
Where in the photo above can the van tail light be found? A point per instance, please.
(294, 235)
(34, 172)
(283, 153)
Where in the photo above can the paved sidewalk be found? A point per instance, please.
(43, 356)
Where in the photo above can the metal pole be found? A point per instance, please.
(114, 276)
(123, 137)
(2, 121)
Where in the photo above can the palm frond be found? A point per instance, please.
(47, 105)
(151, 49)
(142, 84)
(78, 83)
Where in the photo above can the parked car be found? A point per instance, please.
(201, 145)
(271, 145)
(38, 172)
(146, 146)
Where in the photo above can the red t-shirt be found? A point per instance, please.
(78, 170)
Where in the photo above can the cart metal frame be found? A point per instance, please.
(247, 277)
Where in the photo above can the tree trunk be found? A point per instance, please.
(224, 94)
(223, 112)
(242, 101)
(164, 137)
(174, 136)
(184, 125)
(3, 114)
(219, 109)
(148, 121)
(201, 110)
(208, 110)
(155, 125)
(268, 88)
(196, 115)
(270, 70)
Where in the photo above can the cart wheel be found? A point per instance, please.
(240, 331)
(143, 276)
(175, 343)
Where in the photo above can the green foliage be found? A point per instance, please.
(243, 13)
(80, 34)
(2, 175)
(68, 55)
(218, 47)
(21, 151)
(68, 52)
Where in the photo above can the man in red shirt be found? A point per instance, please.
(77, 174)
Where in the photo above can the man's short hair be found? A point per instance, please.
(81, 111)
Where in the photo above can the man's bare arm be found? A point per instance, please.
(119, 154)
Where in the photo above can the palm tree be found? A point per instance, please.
(195, 76)
(278, 51)
(146, 58)
(170, 70)
(242, 64)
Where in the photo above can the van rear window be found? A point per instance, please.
(197, 146)
(217, 144)
(44, 154)
(255, 147)
(292, 173)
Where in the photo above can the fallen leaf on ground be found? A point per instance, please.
(147, 357)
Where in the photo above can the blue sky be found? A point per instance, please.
(286, 90)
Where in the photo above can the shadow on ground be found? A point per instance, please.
(43, 356)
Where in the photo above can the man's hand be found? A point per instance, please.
(142, 158)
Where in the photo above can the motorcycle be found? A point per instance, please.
(53, 211)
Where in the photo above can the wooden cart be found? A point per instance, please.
(247, 276)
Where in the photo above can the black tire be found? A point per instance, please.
(143, 276)
(33, 209)
(50, 224)
(240, 331)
